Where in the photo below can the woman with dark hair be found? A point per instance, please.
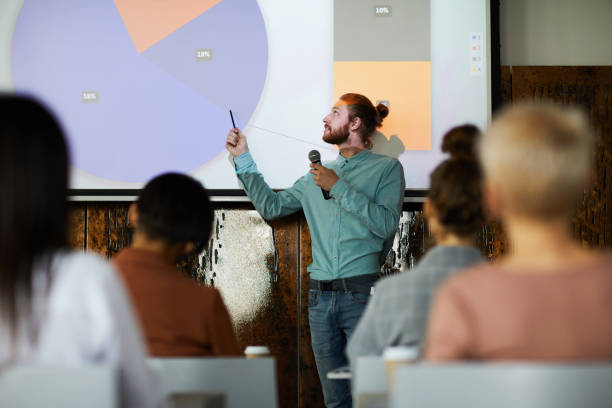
(397, 313)
(173, 218)
(57, 307)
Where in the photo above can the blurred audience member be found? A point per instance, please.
(58, 307)
(173, 218)
(397, 313)
(549, 298)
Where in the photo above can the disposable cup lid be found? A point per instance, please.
(256, 350)
(401, 353)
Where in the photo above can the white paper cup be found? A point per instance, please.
(396, 356)
(256, 351)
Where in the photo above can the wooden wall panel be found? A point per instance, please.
(76, 225)
(492, 240)
(588, 87)
(506, 85)
(107, 228)
(283, 319)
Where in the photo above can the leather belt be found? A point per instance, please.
(360, 284)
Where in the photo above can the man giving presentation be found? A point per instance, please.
(351, 232)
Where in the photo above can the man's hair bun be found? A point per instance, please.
(382, 110)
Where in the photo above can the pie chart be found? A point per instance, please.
(142, 87)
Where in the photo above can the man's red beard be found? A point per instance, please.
(336, 136)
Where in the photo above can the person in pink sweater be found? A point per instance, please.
(548, 299)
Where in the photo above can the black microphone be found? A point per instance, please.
(315, 157)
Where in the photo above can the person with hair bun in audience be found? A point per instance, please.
(397, 313)
(548, 298)
(173, 218)
(58, 307)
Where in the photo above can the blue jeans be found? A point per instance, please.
(333, 316)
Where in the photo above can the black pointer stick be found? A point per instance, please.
(232, 116)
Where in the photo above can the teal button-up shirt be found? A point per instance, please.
(353, 231)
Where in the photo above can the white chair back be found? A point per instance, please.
(504, 385)
(244, 382)
(55, 387)
(369, 382)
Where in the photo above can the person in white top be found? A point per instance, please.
(57, 307)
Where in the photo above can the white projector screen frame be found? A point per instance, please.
(299, 90)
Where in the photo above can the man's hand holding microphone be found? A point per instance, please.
(323, 177)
